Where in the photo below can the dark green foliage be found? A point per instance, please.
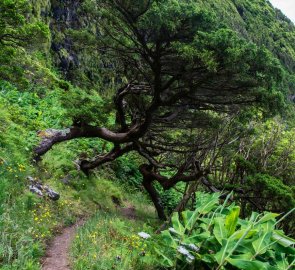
(171, 198)
(260, 166)
(273, 191)
(269, 27)
(15, 29)
(85, 107)
(126, 170)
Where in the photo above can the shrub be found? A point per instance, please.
(214, 237)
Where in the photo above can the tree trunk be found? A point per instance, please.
(181, 205)
(155, 198)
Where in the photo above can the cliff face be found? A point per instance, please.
(74, 31)
(64, 16)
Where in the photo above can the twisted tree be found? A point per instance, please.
(182, 78)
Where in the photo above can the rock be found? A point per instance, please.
(51, 193)
(41, 190)
(35, 190)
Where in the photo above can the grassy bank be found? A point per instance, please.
(27, 221)
(109, 240)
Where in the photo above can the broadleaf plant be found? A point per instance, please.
(214, 237)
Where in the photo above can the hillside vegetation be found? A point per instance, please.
(167, 125)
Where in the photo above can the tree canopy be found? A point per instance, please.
(15, 28)
(183, 77)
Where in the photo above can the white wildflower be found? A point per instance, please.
(172, 230)
(190, 258)
(144, 235)
(193, 247)
(183, 250)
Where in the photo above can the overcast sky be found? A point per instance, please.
(286, 6)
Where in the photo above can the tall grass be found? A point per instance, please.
(109, 240)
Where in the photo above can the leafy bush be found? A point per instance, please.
(271, 187)
(126, 170)
(214, 237)
(84, 107)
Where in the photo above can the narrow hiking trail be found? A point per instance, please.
(57, 254)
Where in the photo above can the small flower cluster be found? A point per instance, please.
(43, 220)
(93, 237)
(11, 170)
(15, 169)
(134, 241)
(21, 167)
(144, 235)
(45, 216)
(185, 249)
(65, 203)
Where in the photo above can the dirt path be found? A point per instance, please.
(57, 254)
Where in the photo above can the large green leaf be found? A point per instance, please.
(231, 220)
(250, 265)
(208, 258)
(282, 239)
(227, 246)
(178, 227)
(225, 241)
(267, 226)
(204, 204)
(168, 240)
(197, 238)
(254, 216)
(191, 221)
(187, 218)
(219, 230)
(230, 245)
(267, 217)
(283, 264)
(238, 234)
(262, 243)
(165, 261)
(245, 247)
(207, 203)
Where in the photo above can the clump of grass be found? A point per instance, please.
(109, 241)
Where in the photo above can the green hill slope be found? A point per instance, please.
(56, 52)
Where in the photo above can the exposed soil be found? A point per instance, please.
(128, 212)
(57, 254)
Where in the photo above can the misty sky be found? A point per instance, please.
(286, 6)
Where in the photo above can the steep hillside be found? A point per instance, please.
(260, 22)
(55, 74)
(74, 32)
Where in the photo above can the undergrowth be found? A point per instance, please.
(110, 240)
(27, 221)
